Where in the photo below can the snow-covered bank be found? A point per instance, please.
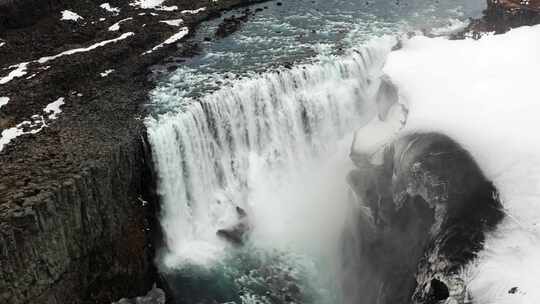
(484, 94)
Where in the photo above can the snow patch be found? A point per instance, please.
(193, 12)
(53, 108)
(109, 8)
(173, 22)
(485, 94)
(86, 49)
(69, 15)
(34, 126)
(174, 38)
(3, 101)
(115, 27)
(153, 4)
(106, 73)
(21, 68)
(19, 71)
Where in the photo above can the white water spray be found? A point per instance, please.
(264, 145)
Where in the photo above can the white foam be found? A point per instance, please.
(3, 101)
(485, 95)
(453, 26)
(69, 15)
(174, 38)
(273, 145)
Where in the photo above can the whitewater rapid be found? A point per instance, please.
(262, 145)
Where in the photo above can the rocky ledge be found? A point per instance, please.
(76, 189)
(502, 15)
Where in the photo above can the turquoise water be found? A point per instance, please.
(299, 31)
(238, 126)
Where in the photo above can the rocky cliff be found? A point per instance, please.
(77, 208)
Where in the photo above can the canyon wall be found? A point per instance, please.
(84, 239)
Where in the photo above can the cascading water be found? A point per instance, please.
(265, 145)
(275, 145)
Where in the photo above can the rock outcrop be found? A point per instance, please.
(502, 15)
(422, 217)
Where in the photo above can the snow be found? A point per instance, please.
(32, 127)
(153, 4)
(106, 73)
(115, 27)
(21, 68)
(485, 95)
(69, 15)
(371, 138)
(109, 8)
(193, 12)
(3, 101)
(173, 22)
(53, 108)
(19, 71)
(86, 49)
(174, 38)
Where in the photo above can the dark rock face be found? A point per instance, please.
(428, 209)
(503, 15)
(77, 200)
(84, 239)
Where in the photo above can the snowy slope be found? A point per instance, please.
(485, 95)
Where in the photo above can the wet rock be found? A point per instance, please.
(230, 25)
(501, 16)
(237, 234)
(154, 296)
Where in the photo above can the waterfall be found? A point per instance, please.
(213, 154)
